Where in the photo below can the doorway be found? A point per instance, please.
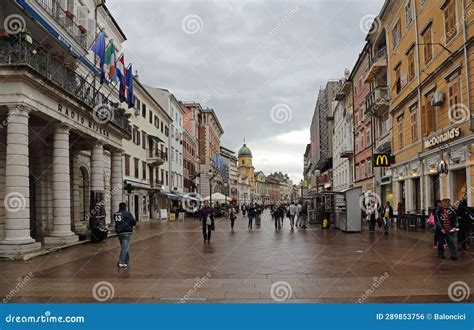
(136, 207)
(459, 184)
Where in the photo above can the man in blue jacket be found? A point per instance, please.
(124, 223)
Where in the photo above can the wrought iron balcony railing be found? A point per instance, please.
(65, 20)
(378, 99)
(21, 49)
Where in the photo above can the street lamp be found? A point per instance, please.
(226, 186)
(212, 175)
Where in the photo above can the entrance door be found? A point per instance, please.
(416, 195)
(459, 184)
(136, 203)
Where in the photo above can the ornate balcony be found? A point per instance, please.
(156, 157)
(377, 101)
(379, 62)
(21, 50)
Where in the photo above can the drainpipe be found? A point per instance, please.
(471, 127)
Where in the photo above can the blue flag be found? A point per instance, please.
(129, 83)
(99, 48)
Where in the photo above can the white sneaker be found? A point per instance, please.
(123, 265)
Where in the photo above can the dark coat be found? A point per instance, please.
(124, 222)
(204, 213)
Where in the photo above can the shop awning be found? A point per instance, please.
(169, 195)
(136, 184)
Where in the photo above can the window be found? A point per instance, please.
(450, 27)
(357, 171)
(157, 122)
(400, 130)
(369, 135)
(172, 153)
(454, 93)
(396, 33)
(362, 169)
(167, 133)
(398, 82)
(428, 116)
(408, 13)
(167, 178)
(127, 165)
(144, 110)
(144, 166)
(414, 123)
(150, 115)
(411, 63)
(137, 104)
(143, 140)
(162, 176)
(136, 163)
(369, 166)
(427, 45)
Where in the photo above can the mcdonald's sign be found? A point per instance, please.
(383, 160)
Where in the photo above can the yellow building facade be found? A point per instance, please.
(429, 74)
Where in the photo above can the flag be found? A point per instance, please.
(120, 71)
(110, 61)
(129, 83)
(98, 47)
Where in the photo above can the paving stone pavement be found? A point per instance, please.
(171, 263)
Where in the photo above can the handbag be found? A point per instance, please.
(431, 220)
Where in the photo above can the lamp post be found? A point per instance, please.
(226, 186)
(212, 175)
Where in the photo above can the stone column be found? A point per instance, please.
(61, 233)
(97, 213)
(116, 190)
(17, 186)
(409, 195)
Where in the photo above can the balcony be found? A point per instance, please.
(66, 20)
(379, 62)
(22, 51)
(156, 157)
(377, 101)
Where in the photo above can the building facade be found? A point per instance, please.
(190, 162)
(146, 158)
(230, 179)
(429, 46)
(61, 169)
(245, 169)
(363, 128)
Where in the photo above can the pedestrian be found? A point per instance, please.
(232, 217)
(207, 221)
(445, 220)
(437, 232)
(298, 213)
(244, 209)
(371, 210)
(387, 216)
(251, 215)
(258, 211)
(466, 216)
(304, 215)
(124, 223)
(279, 214)
(292, 214)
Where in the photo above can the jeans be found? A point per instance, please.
(232, 221)
(206, 231)
(386, 223)
(124, 240)
(278, 222)
(292, 220)
(250, 222)
(303, 220)
(372, 223)
(449, 240)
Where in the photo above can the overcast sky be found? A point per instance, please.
(259, 64)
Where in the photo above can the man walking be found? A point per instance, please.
(371, 212)
(207, 221)
(298, 212)
(445, 220)
(304, 215)
(251, 212)
(466, 217)
(124, 223)
(292, 214)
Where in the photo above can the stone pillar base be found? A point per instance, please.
(16, 250)
(61, 240)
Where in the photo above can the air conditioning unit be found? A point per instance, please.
(437, 99)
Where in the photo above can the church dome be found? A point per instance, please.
(245, 151)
